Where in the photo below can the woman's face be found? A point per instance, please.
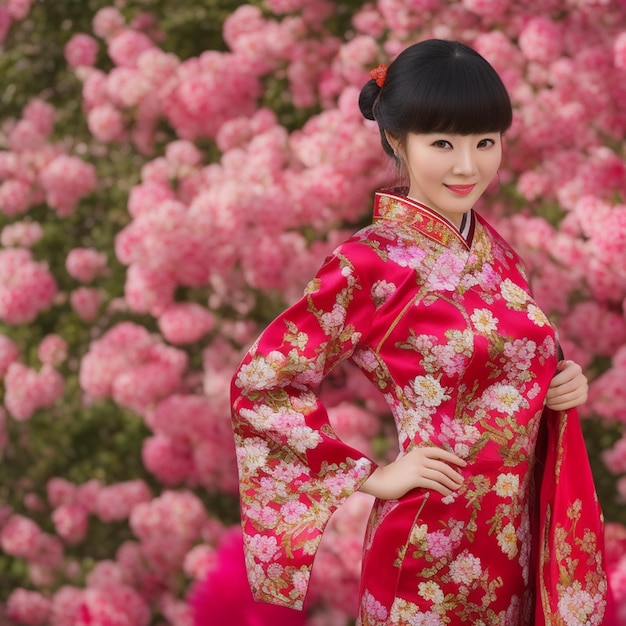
(447, 172)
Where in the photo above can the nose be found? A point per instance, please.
(465, 163)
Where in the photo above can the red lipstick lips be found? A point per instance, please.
(461, 190)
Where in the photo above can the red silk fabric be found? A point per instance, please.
(447, 329)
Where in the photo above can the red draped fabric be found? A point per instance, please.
(446, 328)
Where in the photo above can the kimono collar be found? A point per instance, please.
(393, 205)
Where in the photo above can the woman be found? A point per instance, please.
(475, 522)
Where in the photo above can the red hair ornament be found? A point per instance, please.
(379, 74)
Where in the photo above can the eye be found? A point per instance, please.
(442, 143)
(486, 143)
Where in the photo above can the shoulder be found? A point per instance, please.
(493, 234)
(501, 248)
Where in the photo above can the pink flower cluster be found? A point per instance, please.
(103, 603)
(33, 171)
(21, 234)
(132, 366)
(192, 443)
(210, 243)
(23, 538)
(26, 286)
(27, 390)
(178, 516)
(85, 264)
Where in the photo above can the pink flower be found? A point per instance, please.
(147, 290)
(88, 493)
(127, 86)
(20, 537)
(176, 612)
(52, 350)
(595, 327)
(199, 561)
(107, 22)
(132, 366)
(183, 153)
(619, 49)
(85, 264)
(356, 426)
(5, 22)
(106, 123)
(121, 347)
(27, 390)
(607, 395)
(126, 47)
(113, 605)
(26, 286)
(25, 136)
(60, 491)
(368, 21)
(115, 502)
(66, 180)
(170, 461)
(615, 458)
(66, 606)
(178, 516)
(81, 50)
(20, 234)
(492, 9)
(41, 115)
(19, 9)
(15, 197)
(70, 522)
(85, 302)
(185, 322)
(541, 40)
(147, 195)
(94, 88)
(139, 387)
(28, 607)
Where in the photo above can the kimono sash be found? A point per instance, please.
(571, 582)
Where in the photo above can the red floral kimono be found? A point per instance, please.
(445, 327)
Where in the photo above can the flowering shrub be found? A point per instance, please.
(166, 190)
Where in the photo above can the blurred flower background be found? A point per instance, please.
(171, 176)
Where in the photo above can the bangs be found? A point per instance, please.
(463, 99)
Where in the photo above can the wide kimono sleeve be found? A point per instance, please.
(293, 470)
(571, 578)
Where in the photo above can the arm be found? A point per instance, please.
(293, 469)
(568, 388)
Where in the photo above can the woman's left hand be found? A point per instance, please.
(568, 388)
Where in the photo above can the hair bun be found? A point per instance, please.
(367, 98)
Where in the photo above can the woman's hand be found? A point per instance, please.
(568, 388)
(428, 468)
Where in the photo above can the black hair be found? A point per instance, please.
(437, 86)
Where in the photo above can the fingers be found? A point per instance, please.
(567, 401)
(433, 471)
(450, 483)
(442, 455)
(433, 485)
(568, 372)
(568, 388)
